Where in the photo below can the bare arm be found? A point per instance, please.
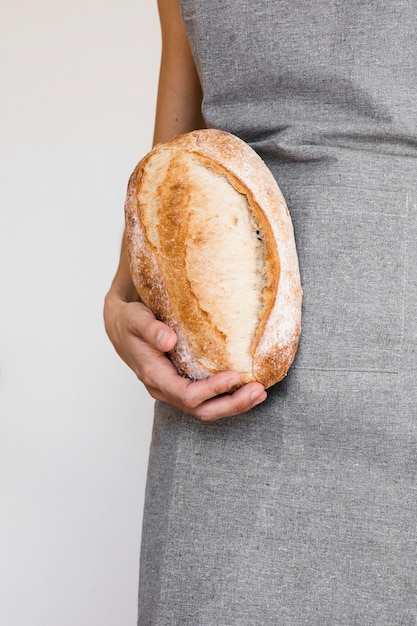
(138, 337)
(178, 108)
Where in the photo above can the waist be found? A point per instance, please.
(375, 169)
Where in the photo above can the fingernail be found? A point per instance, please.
(162, 338)
(257, 397)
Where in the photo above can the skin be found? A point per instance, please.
(139, 339)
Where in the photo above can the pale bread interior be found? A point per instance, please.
(228, 283)
(224, 257)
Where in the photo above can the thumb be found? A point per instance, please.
(166, 338)
(153, 332)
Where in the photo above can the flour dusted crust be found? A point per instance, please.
(212, 253)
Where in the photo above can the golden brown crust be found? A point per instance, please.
(158, 233)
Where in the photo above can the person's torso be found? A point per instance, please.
(326, 93)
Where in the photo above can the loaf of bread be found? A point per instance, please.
(212, 254)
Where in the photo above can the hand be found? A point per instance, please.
(142, 341)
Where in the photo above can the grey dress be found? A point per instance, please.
(303, 512)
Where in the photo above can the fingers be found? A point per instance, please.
(146, 327)
(208, 399)
(202, 390)
(241, 401)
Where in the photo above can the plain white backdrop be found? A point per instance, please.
(78, 89)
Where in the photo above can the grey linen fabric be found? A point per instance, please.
(304, 512)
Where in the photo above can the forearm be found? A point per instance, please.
(122, 285)
(121, 292)
(180, 95)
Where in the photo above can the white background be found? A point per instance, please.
(78, 87)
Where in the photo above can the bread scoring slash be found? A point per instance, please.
(212, 253)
